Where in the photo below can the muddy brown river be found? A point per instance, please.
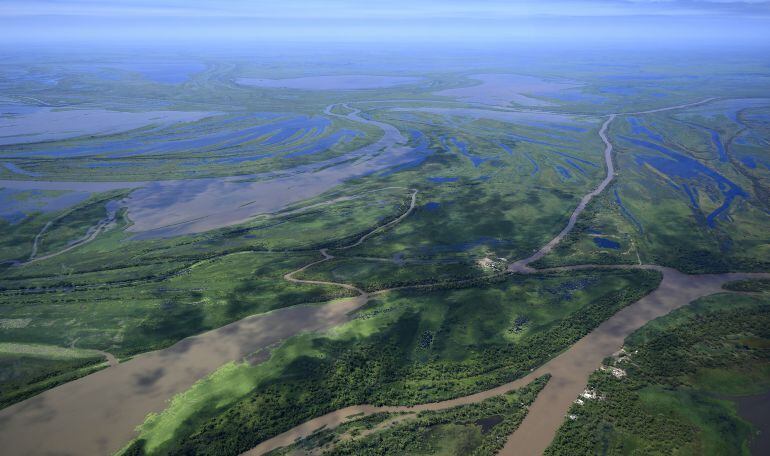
(97, 414)
(569, 371)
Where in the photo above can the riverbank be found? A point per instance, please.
(569, 371)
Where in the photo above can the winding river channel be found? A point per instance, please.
(569, 371)
(97, 414)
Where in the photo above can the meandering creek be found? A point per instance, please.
(97, 414)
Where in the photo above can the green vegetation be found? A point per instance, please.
(378, 274)
(477, 429)
(498, 207)
(155, 293)
(405, 347)
(754, 285)
(16, 239)
(26, 370)
(602, 219)
(74, 223)
(151, 314)
(683, 197)
(353, 428)
(493, 183)
(682, 372)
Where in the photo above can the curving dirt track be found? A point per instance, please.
(97, 414)
(571, 369)
(523, 265)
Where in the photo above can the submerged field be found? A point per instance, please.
(691, 192)
(128, 223)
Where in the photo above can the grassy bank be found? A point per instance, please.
(405, 347)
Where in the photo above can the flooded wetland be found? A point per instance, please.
(237, 253)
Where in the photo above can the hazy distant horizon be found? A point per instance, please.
(663, 23)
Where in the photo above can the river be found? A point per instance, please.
(97, 414)
(569, 371)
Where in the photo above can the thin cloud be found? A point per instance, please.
(391, 10)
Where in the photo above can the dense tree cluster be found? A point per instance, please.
(378, 369)
(663, 406)
(507, 411)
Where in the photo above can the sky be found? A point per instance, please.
(379, 21)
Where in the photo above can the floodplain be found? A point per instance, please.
(246, 250)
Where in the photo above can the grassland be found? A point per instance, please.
(470, 208)
(73, 224)
(684, 372)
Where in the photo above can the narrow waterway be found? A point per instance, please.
(98, 413)
(756, 410)
(569, 371)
